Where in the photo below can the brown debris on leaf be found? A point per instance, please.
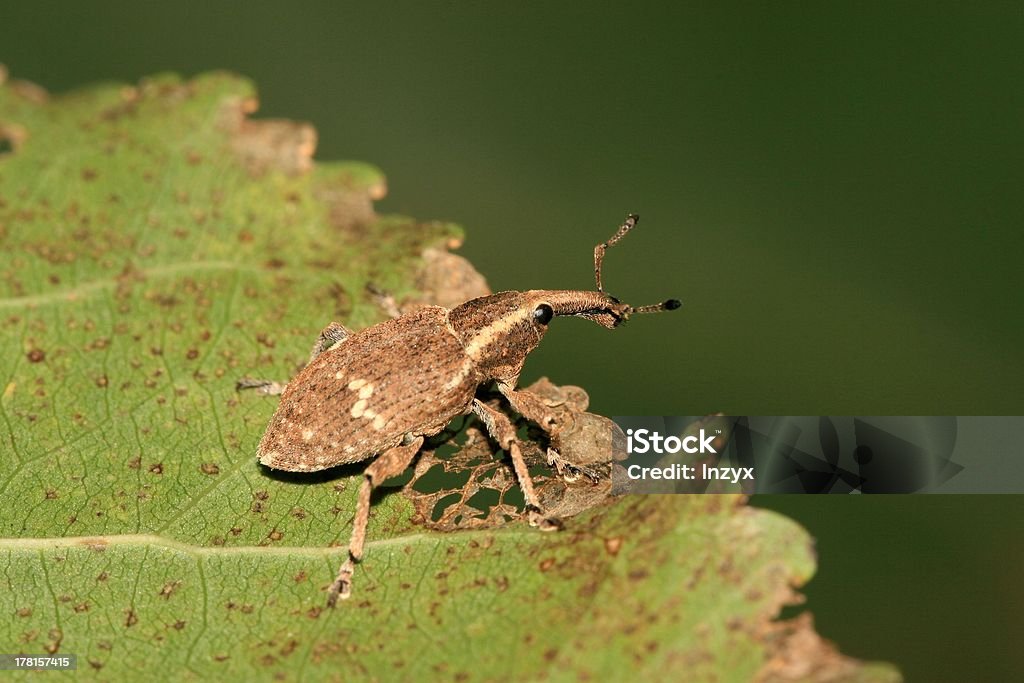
(586, 444)
(447, 279)
(278, 144)
(798, 653)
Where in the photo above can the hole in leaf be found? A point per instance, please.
(484, 500)
(444, 504)
(436, 479)
(514, 497)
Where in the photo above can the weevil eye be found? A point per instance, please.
(542, 314)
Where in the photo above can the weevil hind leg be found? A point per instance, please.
(329, 338)
(389, 464)
(262, 386)
(501, 430)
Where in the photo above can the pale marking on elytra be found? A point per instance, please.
(307, 434)
(339, 374)
(378, 422)
(456, 380)
(358, 408)
(366, 391)
(356, 384)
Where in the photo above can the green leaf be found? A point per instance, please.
(156, 245)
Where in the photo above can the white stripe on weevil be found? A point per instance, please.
(456, 380)
(494, 332)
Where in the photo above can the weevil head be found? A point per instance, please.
(500, 330)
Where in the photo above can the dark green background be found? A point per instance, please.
(834, 192)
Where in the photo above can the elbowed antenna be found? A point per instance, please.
(630, 223)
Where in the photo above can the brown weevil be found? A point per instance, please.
(380, 392)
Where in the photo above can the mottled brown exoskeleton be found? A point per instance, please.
(382, 391)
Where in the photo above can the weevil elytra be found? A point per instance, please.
(382, 391)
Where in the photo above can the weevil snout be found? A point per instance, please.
(600, 307)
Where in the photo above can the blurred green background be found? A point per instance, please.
(833, 190)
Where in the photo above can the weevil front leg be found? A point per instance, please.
(533, 408)
(389, 464)
(330, 337)
(501, 430)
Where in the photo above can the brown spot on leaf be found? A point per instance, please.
(36, 356)
(130, 618)
(613, 545)
(53, 645)
(168, 589)
(97, 545)
(157, 468)
(210, 468)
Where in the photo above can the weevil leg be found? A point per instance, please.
(501, 430)
(568, 471)
(330, 336)
(389, 464)
(532, 407)
(262, 386)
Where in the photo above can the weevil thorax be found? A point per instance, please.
(500, 330)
